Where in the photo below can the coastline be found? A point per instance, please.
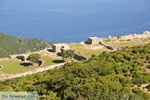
(71, 39)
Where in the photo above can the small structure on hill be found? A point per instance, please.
(58, 48)
(93, 40)
(22, 57)
(146, 32)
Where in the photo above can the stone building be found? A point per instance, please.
(93, 40)
(58, 48)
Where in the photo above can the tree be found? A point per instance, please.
(118, 37)
(34, 58)
(68, 54)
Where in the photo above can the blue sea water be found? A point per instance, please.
(73, 20)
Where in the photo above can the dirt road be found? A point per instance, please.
(32, 72)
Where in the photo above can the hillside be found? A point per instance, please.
(118, 75)
(14, 45)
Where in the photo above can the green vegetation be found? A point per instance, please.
(47, 61)
(124, 43)
(108, 76)
(68, 54)
(13, 67)
(118, 37)
(87, 50)
(148, 87)
(16, 45)
(34, 58)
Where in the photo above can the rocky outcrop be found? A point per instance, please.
(107, 46)
(145, 34)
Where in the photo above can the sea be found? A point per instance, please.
(73, 20)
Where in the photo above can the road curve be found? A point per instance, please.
(32, 72)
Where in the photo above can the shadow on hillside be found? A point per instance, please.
(58, 61)
(39, 62)
(50, 50)
(26, 64)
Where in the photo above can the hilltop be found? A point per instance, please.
(117, 75)
(116, 68)
(18, 46)
(110, 44)
(15, 45)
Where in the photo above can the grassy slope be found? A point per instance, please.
(105, 76)
(14, 45)
(87, 50)
(13, 67)
(124, 43)
(47, 61)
